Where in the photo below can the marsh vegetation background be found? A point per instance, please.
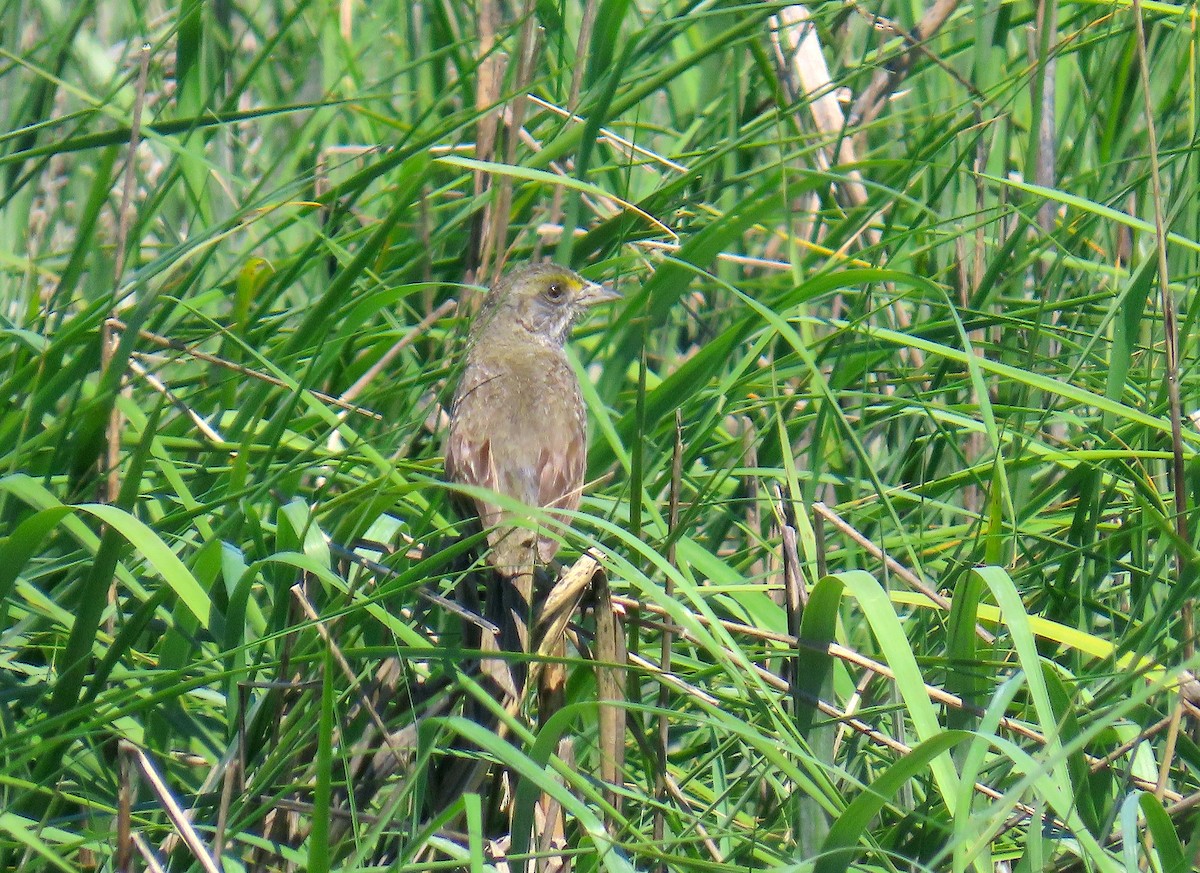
(909, 304)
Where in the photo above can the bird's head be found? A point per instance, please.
(543, 300)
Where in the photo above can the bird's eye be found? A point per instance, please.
(556, 292)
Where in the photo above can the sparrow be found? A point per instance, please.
(518, 427)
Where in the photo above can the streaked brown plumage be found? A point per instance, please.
(518, 427)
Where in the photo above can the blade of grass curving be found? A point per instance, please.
(838, 852)
(1172, 858)
(609, 856)
(669, 282)
(812, 680)
(1047, 384)
(1091, 792)
(974, 756)
(1090, 644)
(965, 677)
(1126, 332)
(26, 832)
(119, 528)
(873, 599)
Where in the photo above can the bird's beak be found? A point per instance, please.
(593, 294)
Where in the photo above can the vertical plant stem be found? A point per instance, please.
(586, 26)
(1170, 338)
(514, 119)
(660, 786)
(1045, 84)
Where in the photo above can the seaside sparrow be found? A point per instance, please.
(518, 427)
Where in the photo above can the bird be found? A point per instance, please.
(518, 428)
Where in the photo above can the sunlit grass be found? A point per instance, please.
(962, 359)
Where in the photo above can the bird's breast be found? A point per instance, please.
(529, 409)
(540, 399)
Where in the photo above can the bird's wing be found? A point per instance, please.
(469, 458)
(561, 467)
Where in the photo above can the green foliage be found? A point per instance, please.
(961, 356)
